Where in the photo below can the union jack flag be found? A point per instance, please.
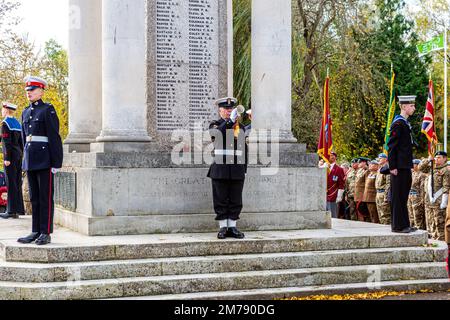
(428, 127)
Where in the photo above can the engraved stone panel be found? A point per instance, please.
(66, 190)
(186, 59)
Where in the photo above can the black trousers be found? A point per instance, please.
(14, 185)
(400, 188)
(41, 195)
(227, 196)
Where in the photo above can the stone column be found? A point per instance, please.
(124, 72)
(230, 31)
(85, 73)
(271, 67)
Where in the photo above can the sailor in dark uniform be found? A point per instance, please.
(400, 164)
(43, 156)
(12, 157)
(229, 168)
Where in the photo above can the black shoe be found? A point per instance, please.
(31, 238)
(235, 233)
(222, 233)
(9, 216)
(43, 240)
(406, 230)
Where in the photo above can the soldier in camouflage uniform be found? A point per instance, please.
(350, 189)
(360, 186)
(370, 192)
(383, 184)
(416, 197)
(436, 203)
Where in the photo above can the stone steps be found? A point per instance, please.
(205, 245)
(60, 272)
(437, 285)
(229, 281)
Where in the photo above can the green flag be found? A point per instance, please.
(390, 113)
(434, 44)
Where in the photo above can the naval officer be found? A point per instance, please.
(43, 156)
(229, 168)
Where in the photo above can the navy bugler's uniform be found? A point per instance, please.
(401, 159)
(43, 153)
(12, 152)
(228, 170)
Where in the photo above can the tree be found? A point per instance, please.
(393, 40)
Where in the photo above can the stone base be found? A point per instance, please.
(76, 148)
(194, 223)
(135, 188)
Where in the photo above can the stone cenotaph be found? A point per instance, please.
(142, 72)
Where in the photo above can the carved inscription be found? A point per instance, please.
(187, 58)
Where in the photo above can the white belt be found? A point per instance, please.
(37, 139)
(437, 195)
(230, 153)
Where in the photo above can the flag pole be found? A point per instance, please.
(445, 87)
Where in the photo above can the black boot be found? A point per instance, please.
(43, 240)
(9, 216)
(235, 233)
(29, 239)
(222, 233)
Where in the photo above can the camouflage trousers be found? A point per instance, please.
(352, 209)
(436, 225)
(373, 212)
(384, 209)
(418, 209)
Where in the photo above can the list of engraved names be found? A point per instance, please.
(187, 58)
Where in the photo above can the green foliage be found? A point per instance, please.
(357, 41)
(242, 50)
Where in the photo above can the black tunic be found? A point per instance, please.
(12, 151)
(228, 170)
(400, 158)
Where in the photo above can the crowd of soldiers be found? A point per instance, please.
(367, 193)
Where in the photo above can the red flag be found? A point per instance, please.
(428, 127)
(326, 138)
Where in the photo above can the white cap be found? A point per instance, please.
(9, 106)
(228, 102)
(249, 112)
(407, 99)
(32, 82)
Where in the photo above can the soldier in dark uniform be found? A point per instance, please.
(12, 157)
(229, 168)
(43, 156)
(400, 165)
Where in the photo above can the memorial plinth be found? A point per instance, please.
(128, 182)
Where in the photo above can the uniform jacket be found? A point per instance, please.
(360, 184)
(40, 119)
(350, 183)
(441, 179)
(383, 182)
(336, 182)
(227, 167)
(370, 193)
(12, 140)
(418, 186)
(401, 145)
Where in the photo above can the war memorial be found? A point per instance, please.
(134, 204)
